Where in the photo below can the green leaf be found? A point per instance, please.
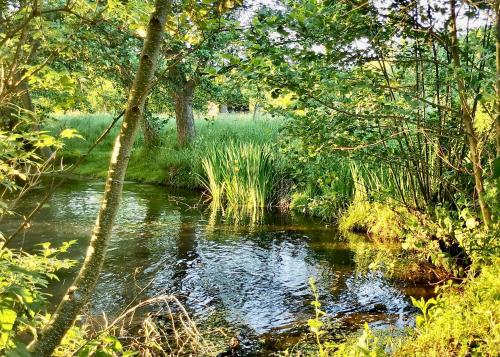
(496, 168)
(7, 319)
(19, 351)
(69, 134)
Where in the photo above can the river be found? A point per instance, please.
(251, 278)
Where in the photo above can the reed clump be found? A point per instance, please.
(239, 175)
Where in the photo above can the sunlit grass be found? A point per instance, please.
(167, 163)
(239, 174)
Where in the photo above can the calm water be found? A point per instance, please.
(253, 279)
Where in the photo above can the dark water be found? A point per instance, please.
(253, 279)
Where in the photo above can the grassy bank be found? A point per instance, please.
(463, 320)
(166, 164)
(239, 157)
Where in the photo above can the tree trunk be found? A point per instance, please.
(497, 99)
(151, 137)
(468, 121)
(255, 110)
(186, 131)
(81, 290)
(22, 98)
(27, 104)
(223, 109)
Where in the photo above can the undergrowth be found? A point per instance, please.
(166, 163)
(463, 321)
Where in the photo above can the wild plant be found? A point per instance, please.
(316, 324)
(239, 175)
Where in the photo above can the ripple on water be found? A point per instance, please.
(256, 279)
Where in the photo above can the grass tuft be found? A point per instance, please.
(239, 174)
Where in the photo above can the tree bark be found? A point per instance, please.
(151, 137)
(27, 104)
(186, 130)
(81, 290)
(468, 121)
(497, 99)
(255, 110)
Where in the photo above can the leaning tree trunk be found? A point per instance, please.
(497, 99)
(83, 286)
(468, 121)
(186, 130)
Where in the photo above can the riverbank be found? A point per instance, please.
(166, 163)
(432, 245)
(435, 245)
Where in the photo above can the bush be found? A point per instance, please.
(382, 222)
(463, 321)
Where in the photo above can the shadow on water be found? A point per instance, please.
(252, 279)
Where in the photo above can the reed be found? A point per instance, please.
(239, 174)
(167, 163)
(381, 183)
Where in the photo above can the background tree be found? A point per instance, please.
(381, 82)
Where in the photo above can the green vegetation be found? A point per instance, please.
(463, 320)
(239, 175)
(24, 277)
(381, 117)
(22, 291)
(167, 163)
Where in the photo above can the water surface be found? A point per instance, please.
(252, 278)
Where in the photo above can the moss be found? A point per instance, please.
(383, 222)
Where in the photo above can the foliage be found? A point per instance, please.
(24, 277)
(391, 106)
(368, 344)
(316, 325)
(463, 321)
(382, 222)
(239, 175)
(453, 241)
(390, 128)
(23, 280)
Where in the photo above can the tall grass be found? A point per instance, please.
(239, 174)
(381, 183)
(167, 163)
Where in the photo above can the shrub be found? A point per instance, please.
(382, 222)
(464, 321)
